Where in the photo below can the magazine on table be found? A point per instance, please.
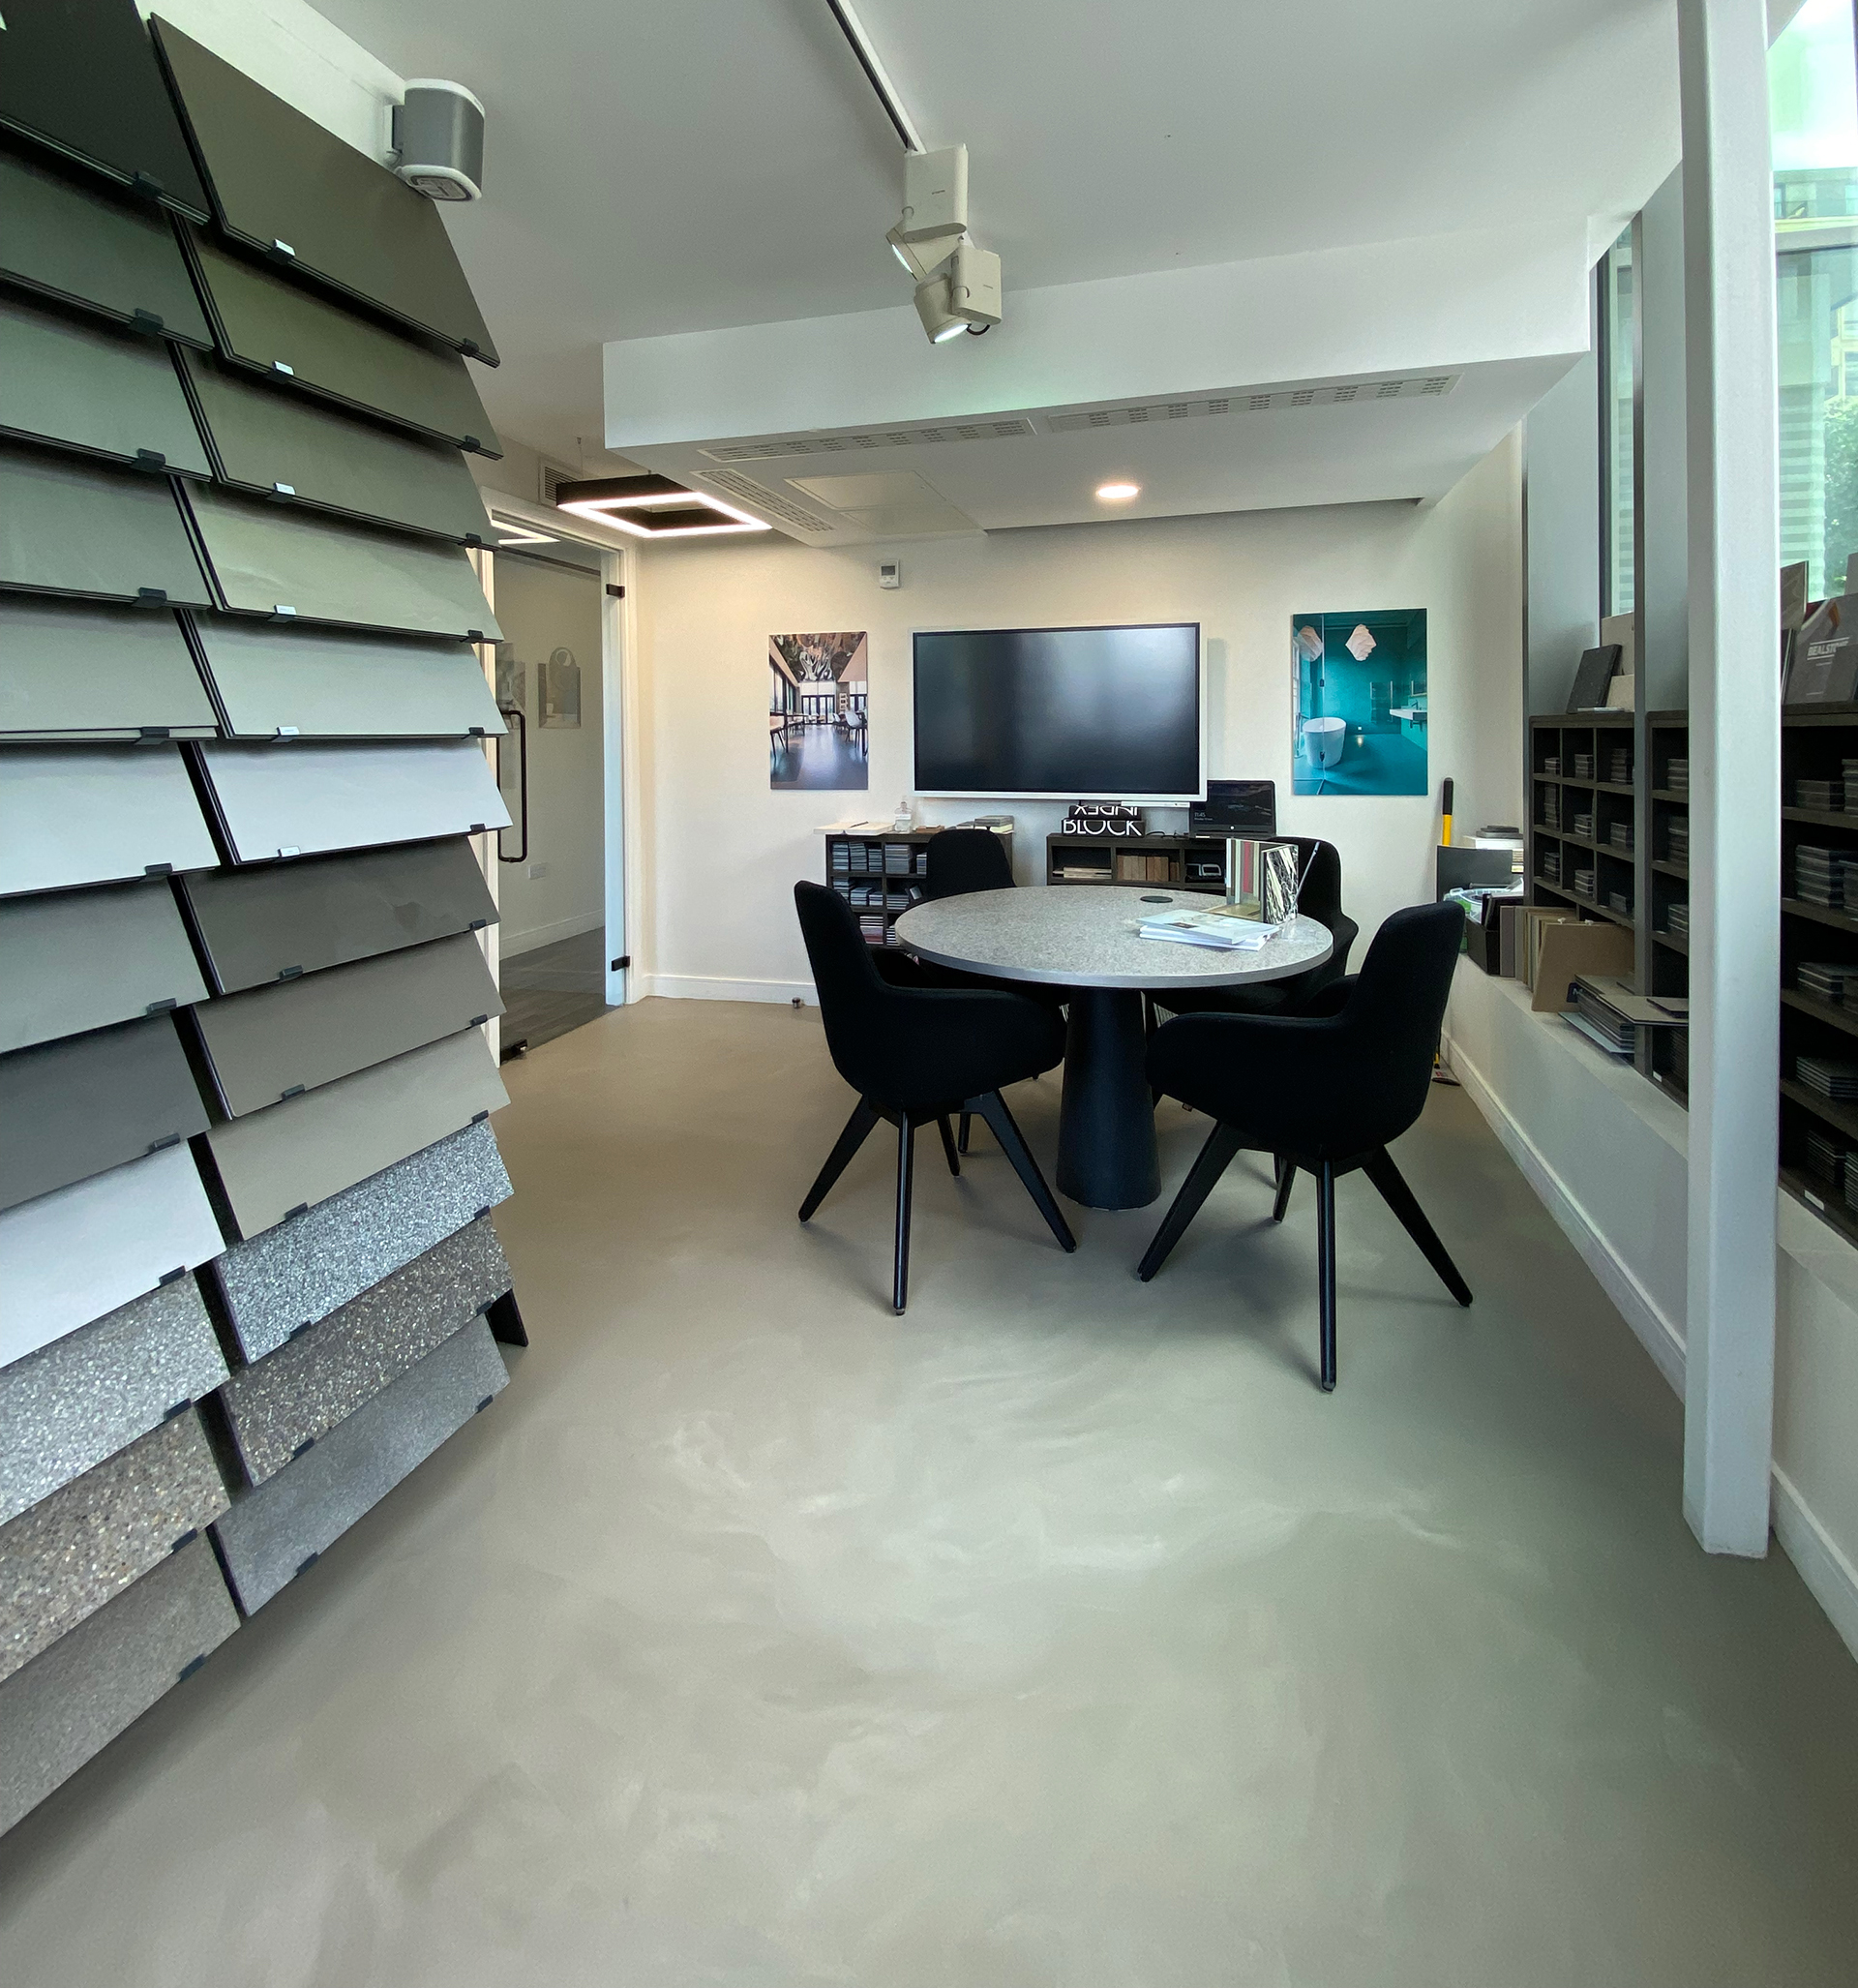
(1224, 929)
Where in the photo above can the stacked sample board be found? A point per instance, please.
(248, 1279)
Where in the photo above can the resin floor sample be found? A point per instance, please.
(1057, 1635)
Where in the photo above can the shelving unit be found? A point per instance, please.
(1667, 959)
(881, 877)
(1181, 862)
(1583, 821)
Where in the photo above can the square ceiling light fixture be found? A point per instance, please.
(653, 507)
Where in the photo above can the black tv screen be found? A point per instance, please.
(1064, 713)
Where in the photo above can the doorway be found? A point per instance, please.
(554, 970)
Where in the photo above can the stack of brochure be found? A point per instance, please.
(1223, 929)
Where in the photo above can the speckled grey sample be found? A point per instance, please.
(1083, 934)
(69, 1704)
(302, 1269)
(64, 1557)
(92, 1393)
(271, 1533)
(301, 1391)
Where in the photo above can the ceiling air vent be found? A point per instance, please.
(872, 439)
(553, 475)
(1416, 388)
(749, 491)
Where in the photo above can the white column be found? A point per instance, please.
(1735, 771)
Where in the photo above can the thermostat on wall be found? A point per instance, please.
(890, 573)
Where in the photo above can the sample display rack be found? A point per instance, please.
(1186, 863)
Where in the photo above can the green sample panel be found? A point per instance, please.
(84, 528)
(285, 444)
(284, 184)
(82, 1106)
(256, 927)
(265, 321)
(71, 669)
(277, 680)
(87, 246)
(82, 959)
(266, 559)
(80, 77)
(267, 1046)
(96, 814)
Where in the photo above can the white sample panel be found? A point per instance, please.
(97, 814)
(69, 1258)
(294, 798)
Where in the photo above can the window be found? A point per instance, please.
(1617, 309)
(1813, 99)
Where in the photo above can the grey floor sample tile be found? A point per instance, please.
(86, 1103)
(71, 1404)
(82, 959)
(97, 671)
(271, 1533)
(296, 1154)
(69, 1704)
(96, 814)
(64, 1557)
(303, 1390)
(306, 1268)
(69, 526)
(69, 1258)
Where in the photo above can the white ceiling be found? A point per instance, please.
(669, 166)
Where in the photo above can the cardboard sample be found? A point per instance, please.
(1570, 951)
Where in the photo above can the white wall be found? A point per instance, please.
(721, 853)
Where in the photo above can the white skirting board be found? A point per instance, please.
(516, 943)
(700, 987)
(1828, 1573)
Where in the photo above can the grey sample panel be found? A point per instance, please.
(80, 75)
(280, 443)
(79, 667)
(298, 1035)
(270, 924)
(308, 1267)
(92, 1685)
(299, 1152)
(279, 1407)
(301, 799)
(71, 1404)
(68, 1556)
(269, 559)
(273, 680)
(263, 320)
(67, 525)
(80, 1106)
(282, 183)
(78, 385)
(82, 959)
(271, 1533)
(86, 247)
(96, 814)
(69, 1258)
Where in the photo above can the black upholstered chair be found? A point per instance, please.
(917, 1054)
(1328, 1091)
(962, 861)
(1320, 864)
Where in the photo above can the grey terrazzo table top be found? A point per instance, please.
(92, 1393)
(1084, 936)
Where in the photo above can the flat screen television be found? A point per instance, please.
(1060, 714)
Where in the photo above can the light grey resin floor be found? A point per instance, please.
(1061, 1633)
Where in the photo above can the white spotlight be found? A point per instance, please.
(974, 286)
(940, 318)
(935, 195)
(1116, 492)
(922, 259)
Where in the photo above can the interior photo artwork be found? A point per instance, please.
(1361, 703)
(816, 711)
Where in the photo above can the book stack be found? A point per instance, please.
(1851, 1189)
(1826, 980)
(1584, 825)
(1551, 808)
(1550, 859)
(1223, 929)
(896, 859)
(1825, 797)
(1583, 766)
(1584, 883)
(1552, 766)
(871, 928)
(1620, 901)
(920, 867)
(1819, 875)
(1827, 1078)
(1677, 777)
(1851, 786)
(1677, 920)
(840, 855)
(1619, 766)
(1826, 1157)
(1677, 839)
(1619, 836)
(1601, 1022)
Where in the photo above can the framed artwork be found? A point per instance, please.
(817, 735)
(1360, 705)
(559, 690)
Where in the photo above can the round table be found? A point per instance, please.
(1083, 939)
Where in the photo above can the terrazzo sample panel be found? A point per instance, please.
(69, 1258)
(68, 1705)
(309, 1266)
(289, 1400)
(271, 1533)
(90, 1394)
(64, 1557)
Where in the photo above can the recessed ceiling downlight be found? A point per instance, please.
(1116, 492)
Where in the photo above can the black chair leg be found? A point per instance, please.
(961, 1138)
(906, 1165)
(949, 1144)
(857, 1128)
(1286, 1180)
(998, 1120)
(1379, 1167)
(1215, 1155)
(1326, 1276)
